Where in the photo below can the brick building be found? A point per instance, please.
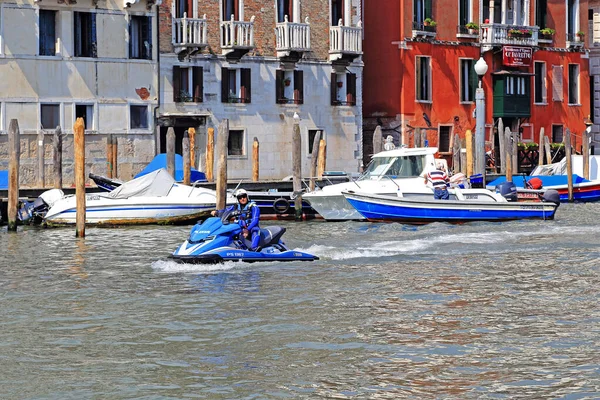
(257, 63)
(419, 58)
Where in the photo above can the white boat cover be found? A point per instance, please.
(155, 184)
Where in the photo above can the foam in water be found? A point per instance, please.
(170, 266)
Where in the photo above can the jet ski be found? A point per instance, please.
(220, 239)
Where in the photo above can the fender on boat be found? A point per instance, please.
(281, 205)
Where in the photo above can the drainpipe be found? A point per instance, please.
(404, 137)
(157, 30)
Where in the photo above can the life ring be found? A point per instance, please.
(281, 206)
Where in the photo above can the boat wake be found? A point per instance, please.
(170, 266)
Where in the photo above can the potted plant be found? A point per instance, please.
(519, 33)
(340, 84)
(547, 32)
(579, 36)
(429, 22)
(287, 81)
(472, 27)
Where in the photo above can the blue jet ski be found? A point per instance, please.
(217, 239)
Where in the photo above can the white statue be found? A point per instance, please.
(389, 143)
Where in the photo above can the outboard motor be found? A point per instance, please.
(508, 190)
(551, 196)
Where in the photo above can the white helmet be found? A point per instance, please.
(240, 192)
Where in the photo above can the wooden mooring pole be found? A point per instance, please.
(469, 147)
(255, 160)
(456, 154)
(322, 161)
(109, 155)
(192, 136)
(185, 149)
(222, 143)
(57, 158)
(115, 156)
(210, 154)
(314, 159)
(569, 163)
(297, 166)
(541, 147)
(41, 161)
(14, 148)
(508, 154)
(79, 141)
(586, 152)
(502, 145)
(377, 140)
(171, 151)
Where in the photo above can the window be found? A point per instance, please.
(85, 111)
(285, 7)
(421, 11)
(464, 13)
(85, 34)
(573, 83)
(231, 8)
(468, 81)
(572, 19)
(184, 7)
(285, 92)
(343, 89)
(312, 133)
(516, 86)
(140, 38)
(188, 84)
(423, 75)
(235, 144)
(337, 12)
(229, 85)
(445, 138)
(47, 38)
(541, 17)
(557, 133)
(50, 115)
(539, 69)
(138, 116)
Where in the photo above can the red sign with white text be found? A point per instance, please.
(514, 56)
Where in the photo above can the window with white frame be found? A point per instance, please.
(235, 143)
(47, 32)
(85, 111)
(572, 19)
(468, 80)
(445, 138)
(464, 14)
(49, 116)
(285, 8)
(423, 78)
(236, 85)
(539, 87)
(138, 117)
(573, 83)
(231, 8)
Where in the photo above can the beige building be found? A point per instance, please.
(94, 59)
(594, 35)
(256, 63)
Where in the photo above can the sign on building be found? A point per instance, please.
(514, 56)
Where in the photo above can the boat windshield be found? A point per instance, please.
(394, 167)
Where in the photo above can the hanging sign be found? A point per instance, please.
(514, 56)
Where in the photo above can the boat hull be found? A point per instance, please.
(333, 207)
(413, 211)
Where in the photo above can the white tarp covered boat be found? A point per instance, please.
(152, 198)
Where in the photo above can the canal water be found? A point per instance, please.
(481, 310)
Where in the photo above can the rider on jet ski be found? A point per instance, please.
(248, 219)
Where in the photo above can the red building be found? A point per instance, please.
(419, 57)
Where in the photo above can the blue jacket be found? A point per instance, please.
(250, 214)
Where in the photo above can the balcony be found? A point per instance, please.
(345, 42)
(292, 39)
(237, 37)
(424, 31)
(501, 34)
(189, 34)
(574, 41)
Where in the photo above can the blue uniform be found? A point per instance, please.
(248, 219)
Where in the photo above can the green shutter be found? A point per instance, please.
(428, 12)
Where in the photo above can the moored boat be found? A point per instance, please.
(464, 205)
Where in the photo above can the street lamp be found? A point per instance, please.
(481, 68)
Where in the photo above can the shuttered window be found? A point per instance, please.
(423, 76)
(229, 80)
(573, 83)
(468, 81)
(298, 87)
(557, 83)
(351, 89)
(539, 82)
(188, 88)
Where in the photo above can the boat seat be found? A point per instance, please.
(271, 235)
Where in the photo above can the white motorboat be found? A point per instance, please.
(388, 172)
(149, 199)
